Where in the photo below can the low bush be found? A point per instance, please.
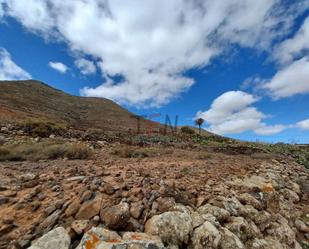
(126, 151)
(41, 128)
(187, 130)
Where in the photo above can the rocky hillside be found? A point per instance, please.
(34, 99)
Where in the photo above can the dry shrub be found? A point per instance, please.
(126, 151)
(47, 150)
(41, 128)
(78, 151)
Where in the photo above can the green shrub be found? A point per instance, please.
(187, 130)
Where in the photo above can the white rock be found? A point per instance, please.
(205, 236)
(173, 228)
(57, 238)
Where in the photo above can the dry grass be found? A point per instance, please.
(43, 151)
(126, 151)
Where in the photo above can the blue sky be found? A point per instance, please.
(241, 65)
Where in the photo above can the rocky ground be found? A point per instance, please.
(176, 198)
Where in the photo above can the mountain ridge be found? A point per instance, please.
(36, 99)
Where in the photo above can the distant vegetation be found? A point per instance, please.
(187, 130)
(34, 151)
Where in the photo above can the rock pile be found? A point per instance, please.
(72, 206)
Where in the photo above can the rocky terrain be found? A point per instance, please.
(77, 173)
(152, 196)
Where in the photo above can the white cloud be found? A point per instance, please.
(232, 113)
(291, 48)
(58, 66)
(152, 43)
(270, 130)
(304, 125)
(86, 66)
(289, 81)
(9, 70)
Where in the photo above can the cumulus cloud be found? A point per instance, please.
(86, 66)
(9, 70)
(269, 130)
(293, 47)
(58, 66)
(304, 125)
(289, 81)
(232, 113)
(150, 44)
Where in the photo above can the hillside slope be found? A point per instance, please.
(34, 99)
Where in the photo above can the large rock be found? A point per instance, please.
(173, 228)
(49, 222)
(116, 217)
(220, 213)
(230, 240)
(57, 238)
(89, 208)
(205, 236)
(101, 238)
(243, 229)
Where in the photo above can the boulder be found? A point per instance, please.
(205, 236)
(99, 237)
(116, 217)
(57, 238)
(89, 208)
(244, 230)
(173, 228)
(229, 240)
(248, 199)
(220, 213)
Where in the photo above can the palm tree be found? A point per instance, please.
(199, 122)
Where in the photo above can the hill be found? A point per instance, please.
(34, 99)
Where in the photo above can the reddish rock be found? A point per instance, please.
(90, 208)
(116, 217)
(108, 189)
(136, 209)
(73, 208)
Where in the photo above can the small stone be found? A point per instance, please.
(96, 218)
(86, 196)
(201, 200)
(35, 206)
(49, 222)
(3, 200)
(76, 178)
(6, 228)
(8, 220)
(79, 226)
(28, 177)
(301, 226)
(73, 208)
(136, 209)
(108, 189)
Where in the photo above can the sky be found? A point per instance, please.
(241, 65)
